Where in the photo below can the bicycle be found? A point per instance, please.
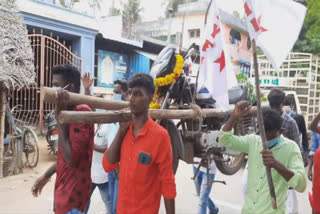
(27, 147)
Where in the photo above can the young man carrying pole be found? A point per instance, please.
(143, 149)
(283, 157)
(73, 166)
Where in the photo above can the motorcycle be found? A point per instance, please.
(197, 137)
(52, 133)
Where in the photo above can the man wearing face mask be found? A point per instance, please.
(106, 182)
(283, 157)
(73, 181)
(119, 93)
(120, 89)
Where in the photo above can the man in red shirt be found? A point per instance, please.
(143, 149)
(73, 166)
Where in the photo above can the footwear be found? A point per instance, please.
(216, 211)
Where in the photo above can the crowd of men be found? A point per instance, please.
(131, 162)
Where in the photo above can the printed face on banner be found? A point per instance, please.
(111, 66)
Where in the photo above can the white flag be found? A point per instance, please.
(275, 25)
(213, 72)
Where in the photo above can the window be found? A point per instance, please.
(249, 44)
(194, 33)
(235, 37)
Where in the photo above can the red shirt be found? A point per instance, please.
(143, 180)
(73, 183)
(315, 197)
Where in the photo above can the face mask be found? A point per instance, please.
(58, 87)
(117, 97)
(273, 142)
(291, 113)
(100, 110)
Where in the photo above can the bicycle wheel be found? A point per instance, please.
(30, 147)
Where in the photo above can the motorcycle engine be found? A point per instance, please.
(210, 139)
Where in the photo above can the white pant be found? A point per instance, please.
(292, 200)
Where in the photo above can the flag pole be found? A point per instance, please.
(260, 122)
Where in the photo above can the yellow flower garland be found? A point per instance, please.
(167, 80)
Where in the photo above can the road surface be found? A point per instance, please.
(16, 197)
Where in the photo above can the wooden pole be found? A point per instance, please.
(50, 96)
(122, 116)
(2, 124)
(261, 124)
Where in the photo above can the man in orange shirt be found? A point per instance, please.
(143, 149)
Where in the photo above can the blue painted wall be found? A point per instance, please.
(138, 64)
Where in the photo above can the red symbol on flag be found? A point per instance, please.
(247, 9)
(257, 25)
(216, 30)
(221, 60)
(202, 60)
(261, 28)
(206, 45)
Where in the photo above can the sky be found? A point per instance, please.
(154, 9)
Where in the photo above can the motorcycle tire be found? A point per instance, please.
(232, 166)
(176, 143)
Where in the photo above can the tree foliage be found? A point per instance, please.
(113, 11)
(309, 38)
(131, 13)
(173, 4)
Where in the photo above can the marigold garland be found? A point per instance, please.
(167, 80)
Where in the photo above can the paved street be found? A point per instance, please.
(16, 198)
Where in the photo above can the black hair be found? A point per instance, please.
(123, 84)
(289, 100)
(272, 120)
(276, 97)
(70, 73)
(142, 80)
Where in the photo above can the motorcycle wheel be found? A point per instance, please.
(230, 164)
(176, 142)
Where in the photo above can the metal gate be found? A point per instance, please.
(48, 52)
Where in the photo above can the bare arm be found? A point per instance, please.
(42, 181)
(100, 148)
(113, 153)
(241, 109)
(87, 83)
(64, 143)
(51, 170)
(314, 124)
(169, 205)
(270, 161)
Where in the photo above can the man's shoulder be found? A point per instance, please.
(286, 117)
(157, 129)
(82, 107)
(288, 143)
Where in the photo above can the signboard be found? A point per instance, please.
(274, 81)
(111, 66)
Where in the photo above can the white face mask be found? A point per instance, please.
(60, 88)
(117, 97)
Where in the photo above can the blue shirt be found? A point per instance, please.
(315, 143)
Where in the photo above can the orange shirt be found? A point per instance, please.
(143, 180)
